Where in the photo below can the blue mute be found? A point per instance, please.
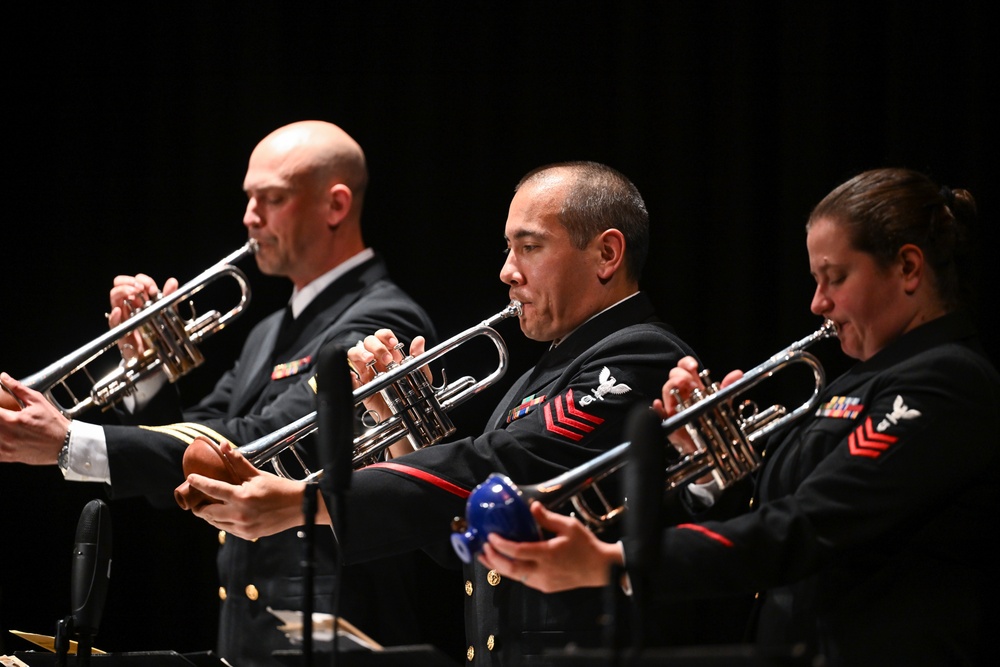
(495, 506)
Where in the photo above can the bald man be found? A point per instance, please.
(305, 186)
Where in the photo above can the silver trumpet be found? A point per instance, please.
(419, 409)
(723, 438)
(171, 344)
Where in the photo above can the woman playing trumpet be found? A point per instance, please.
(865, 536)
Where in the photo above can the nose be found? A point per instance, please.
(821, 304)
(509, 272)
(250, 217)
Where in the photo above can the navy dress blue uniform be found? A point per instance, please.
(569, 408)
(867, 534)
(268, 388)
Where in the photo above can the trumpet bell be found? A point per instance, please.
(495, 506)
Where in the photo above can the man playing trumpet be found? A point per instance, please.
(305, 186)
(577, 238)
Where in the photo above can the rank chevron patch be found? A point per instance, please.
(866, 441)
(569, 421)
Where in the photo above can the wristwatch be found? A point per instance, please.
(63, 459)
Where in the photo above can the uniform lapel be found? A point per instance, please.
(318, 316)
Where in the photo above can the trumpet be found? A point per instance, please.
(171, 344)
(419, 413)
(723, 438)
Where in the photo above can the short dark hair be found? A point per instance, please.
(602, 198)
(884, 209)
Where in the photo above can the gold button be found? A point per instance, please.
(470, 654)
(468, 587)
(222, 592)
(222, 537)
(493, 577)
(252, 593)
(490, 642)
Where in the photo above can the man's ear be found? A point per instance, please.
(611, 246)
(340, 199)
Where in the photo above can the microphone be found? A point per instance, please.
(91, 570)
(335, 419)
(91, 566)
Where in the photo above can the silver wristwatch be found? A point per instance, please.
(63, 459)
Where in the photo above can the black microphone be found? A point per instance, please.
(645, 517)
(90, 573)
(335, 418)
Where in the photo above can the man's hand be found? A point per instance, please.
(261, 504)
(574, 558)
(371, 356)
(129, 294)
(33, 434)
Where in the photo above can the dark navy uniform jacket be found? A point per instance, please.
(267, 389)
(570, 407)
(870, 531)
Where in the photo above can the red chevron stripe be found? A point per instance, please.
(724, 541)
(576, 412)
(871, 434)
(858, 450)
(563, 419)
(551, 426)
(423, 476)
(863, 441)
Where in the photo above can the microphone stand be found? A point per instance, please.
(644, 520)
(309, 506)
(335, 417)
(339, 531)
(64, 628)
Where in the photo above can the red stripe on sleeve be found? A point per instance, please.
(424, 477)
(724, 541)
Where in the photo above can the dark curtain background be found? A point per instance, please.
(127, 134)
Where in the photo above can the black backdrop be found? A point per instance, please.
(127, 134)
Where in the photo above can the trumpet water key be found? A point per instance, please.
(171, 345)
(723, 438)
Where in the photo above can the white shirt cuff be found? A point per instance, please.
(705, 493)
(88, 454)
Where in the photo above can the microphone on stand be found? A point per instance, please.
(91, 571)
(335, 431)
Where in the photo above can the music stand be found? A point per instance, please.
(131, 659)
(723, 655)
(418, 655)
